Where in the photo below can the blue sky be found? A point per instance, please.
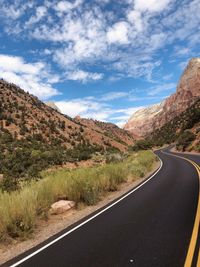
(100, 59)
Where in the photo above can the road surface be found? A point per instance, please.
(154, 226)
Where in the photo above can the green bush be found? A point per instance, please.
(185, 140)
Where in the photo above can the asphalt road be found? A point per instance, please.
(152, 227)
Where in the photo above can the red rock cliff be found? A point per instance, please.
(146, 120)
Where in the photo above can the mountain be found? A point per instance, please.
(34, 136)
(108, 129)
(147, 120)
(142, 121)
(53, 105)
(184, 129)
(25, 116)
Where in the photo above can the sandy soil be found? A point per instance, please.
(57, 223)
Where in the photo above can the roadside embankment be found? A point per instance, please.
(25, 219)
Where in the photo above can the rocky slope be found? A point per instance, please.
(145, 121)
(24, 116)
(108, 129)
(184, 129)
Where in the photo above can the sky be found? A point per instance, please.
(100, 59)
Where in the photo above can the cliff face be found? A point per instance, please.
(149, 119)
(141, 122)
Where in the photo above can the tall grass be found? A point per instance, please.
(19, 210)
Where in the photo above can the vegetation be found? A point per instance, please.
(184, 140)
(20, 209)
(142, 145)
(177, 130)
(24, 159)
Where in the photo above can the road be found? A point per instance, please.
(151, 227)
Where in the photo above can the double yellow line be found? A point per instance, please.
(194, 237)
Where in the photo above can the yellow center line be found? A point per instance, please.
(193, 240)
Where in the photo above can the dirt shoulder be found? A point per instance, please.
(185, 152)
(57, 223)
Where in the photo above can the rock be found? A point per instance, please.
(53, 105)
(61, 206)
(141, 122)
(145, 121)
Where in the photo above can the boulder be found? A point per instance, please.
(62, 206)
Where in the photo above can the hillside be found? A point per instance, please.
(34, 135)
(24, 115)
(184, 130)
(145, 121)
(108, 129)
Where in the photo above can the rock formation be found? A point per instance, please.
(148, 119)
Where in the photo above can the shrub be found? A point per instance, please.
(185, 140)
(19, 210)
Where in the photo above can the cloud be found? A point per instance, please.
(122, 116)
(113, 96)
(65, 6)
(14, 10)
(32, 77)
(96, 108)
(126, 37)
(40, 12)
(118, 33)
(151, 5)
(84, 76)
(87, 108)
(161, 88)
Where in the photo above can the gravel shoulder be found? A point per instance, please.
(57, 223)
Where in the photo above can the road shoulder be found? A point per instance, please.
(57, 223)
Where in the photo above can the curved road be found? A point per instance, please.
(151, 227)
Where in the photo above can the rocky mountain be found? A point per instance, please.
(142, 121)
(24, 116)
(184, 129)
(145, 121)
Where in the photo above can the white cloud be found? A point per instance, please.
(151, 5)
(161, 88)
(118, 33)
(95, 108)
(14, 10)
(135, 18)
(114, 95)
(82, 33)
(84, 107)
(40, 12)
(84, 76)
(123, 115)
(65, 6)
(32, 77)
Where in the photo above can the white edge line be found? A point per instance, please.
(91, 218)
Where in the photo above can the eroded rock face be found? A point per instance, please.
(141, 122)
(62, 206)
(147, 120)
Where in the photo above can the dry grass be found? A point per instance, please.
(19, 210)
